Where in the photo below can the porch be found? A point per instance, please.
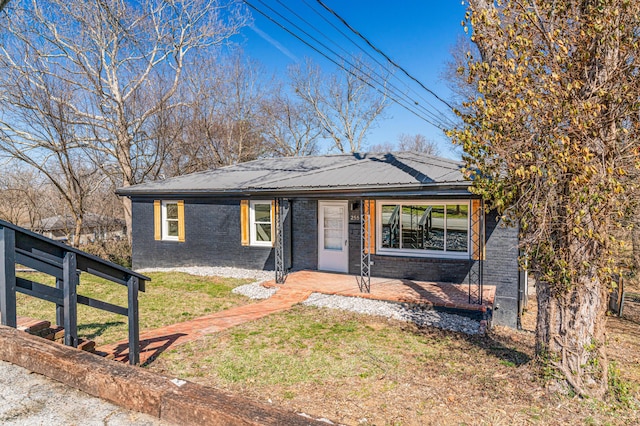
(438, 296)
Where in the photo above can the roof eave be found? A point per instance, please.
(439, 188)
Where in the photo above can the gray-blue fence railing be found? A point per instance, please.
(65, 263)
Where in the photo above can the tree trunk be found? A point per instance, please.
(635, 241)
(570, 335)
(128, 219)
(78, 231)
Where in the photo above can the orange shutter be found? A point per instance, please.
(157, 220)
(476, 233)
(244, 222)
(181, 221)
(370, 227)
(273, 224)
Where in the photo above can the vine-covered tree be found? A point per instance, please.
(549, 139)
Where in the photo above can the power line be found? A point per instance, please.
(402, 103)
(376, 60)
(383, 81)
(391, 61)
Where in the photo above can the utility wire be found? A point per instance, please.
(377, 61)
(382, 80)
(399, 102)
(342, 66)
(391, 61)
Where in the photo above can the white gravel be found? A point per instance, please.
(220, 271)
(402, 312)
(396, 311)
(254, 291)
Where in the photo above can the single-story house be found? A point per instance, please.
(404, 215)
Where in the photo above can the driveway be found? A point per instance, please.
(31, 399)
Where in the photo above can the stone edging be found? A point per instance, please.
(136, 389)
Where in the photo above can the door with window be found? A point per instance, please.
(333, 236)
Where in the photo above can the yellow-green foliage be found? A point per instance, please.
(551, 136)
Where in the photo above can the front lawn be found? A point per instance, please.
(359, 369)
(171, 297)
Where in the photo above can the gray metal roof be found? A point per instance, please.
(333, 173)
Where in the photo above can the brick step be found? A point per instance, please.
(31, 325)
(43, 329)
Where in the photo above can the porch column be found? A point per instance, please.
(281, 212)
(364, 282)
(476, 258)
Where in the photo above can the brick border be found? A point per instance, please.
(136, 389)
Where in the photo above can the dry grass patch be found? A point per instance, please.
(171, 297)
(357, 369)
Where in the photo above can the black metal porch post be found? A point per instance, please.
(364, 283)
(281, 211)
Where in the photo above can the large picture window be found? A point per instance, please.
(423, 228)
(261, 223)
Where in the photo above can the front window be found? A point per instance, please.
(261, 220)
(423, 228)
(169, 220)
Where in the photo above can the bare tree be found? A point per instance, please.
(406, 142)
(36, 130)
(21, 195)
(347, 103)
(291, 129)
(123, 62)
(221, 117)
(418, 143)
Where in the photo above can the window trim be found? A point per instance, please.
(163, 224)
(401, 252)
(252, 222)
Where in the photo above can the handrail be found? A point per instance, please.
(425, 216)
(394, 219)
(64, 263)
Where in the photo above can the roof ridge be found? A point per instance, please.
(311, 172)
(434, 159)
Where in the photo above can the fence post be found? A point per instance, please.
(133, 285)
(8, 277)
(60, 308)
(70, 296)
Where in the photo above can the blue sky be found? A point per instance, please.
(417, 34)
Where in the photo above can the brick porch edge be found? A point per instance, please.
(135, 389)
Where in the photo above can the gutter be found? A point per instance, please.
(458, 189)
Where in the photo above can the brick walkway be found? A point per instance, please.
(297, 288)
(154, 342)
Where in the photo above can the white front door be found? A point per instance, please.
(333, 236)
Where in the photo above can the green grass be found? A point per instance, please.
(170, 297)
(348, 367)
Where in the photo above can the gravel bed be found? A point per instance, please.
(254, 291)
(396, 311)
(220, 271)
